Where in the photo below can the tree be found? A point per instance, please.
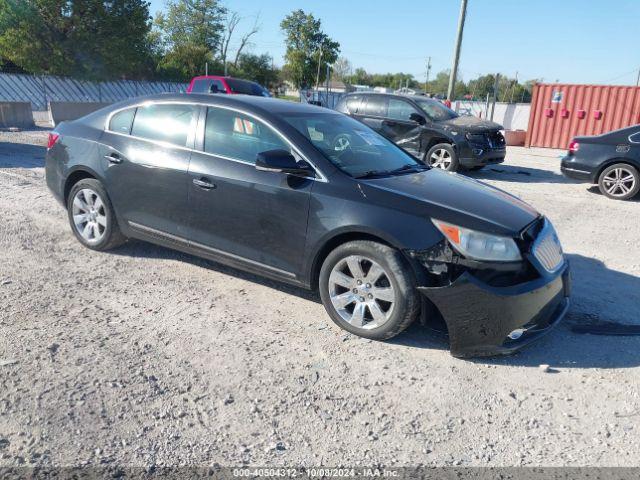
(309, 49)
(188, 36)
(342, 69)
(258, 68)
(90, 39)
(232, 23)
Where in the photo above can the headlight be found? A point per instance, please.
(478, 245)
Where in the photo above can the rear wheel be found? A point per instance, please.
(619, 181)
(367, 290)
(91, 216)
(442, 156)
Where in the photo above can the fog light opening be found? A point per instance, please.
(516, 334)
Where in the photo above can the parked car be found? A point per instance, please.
(611, 160)
(228, 85)
(429, 130)
(264, 185)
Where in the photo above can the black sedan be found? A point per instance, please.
(428, 130)
(258, 184)
(611, 160)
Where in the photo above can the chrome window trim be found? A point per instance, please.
(191, 243)
(320, 178)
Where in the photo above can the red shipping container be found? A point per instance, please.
(618, 107)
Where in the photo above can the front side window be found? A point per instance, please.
(351, 146)
(400, 110)
(171, 123)
(121, 121)
(234, 135)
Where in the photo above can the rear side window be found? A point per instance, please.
(121, 121)
(376, 106)
(232, 134)
(165, 123)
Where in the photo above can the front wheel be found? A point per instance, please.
(442, 156)
(619, 181)
(367, 290)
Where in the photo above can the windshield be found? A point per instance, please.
(248, 88)
(353, 147)
(435, 110)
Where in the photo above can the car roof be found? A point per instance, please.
(395, 95)
(256, 104)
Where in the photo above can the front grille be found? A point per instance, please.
(547, 249)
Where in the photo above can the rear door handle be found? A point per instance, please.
(114, 157)
(204, 184)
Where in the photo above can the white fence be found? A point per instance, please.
(513, 116)
(40, 90)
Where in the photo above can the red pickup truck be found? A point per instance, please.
(228, 85)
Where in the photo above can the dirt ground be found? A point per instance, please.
(147, 357)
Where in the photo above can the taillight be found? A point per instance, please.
(53, 138)
(573, 146)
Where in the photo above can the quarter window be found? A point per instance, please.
(121, 121)
(400, 110)
(165, 123)
(235, 135)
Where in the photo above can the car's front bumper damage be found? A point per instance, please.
(492, 308)
(485, 320)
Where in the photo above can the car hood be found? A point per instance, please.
(471, 124)
(453, 198)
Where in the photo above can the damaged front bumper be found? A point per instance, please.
(484, 320)
(493, 308)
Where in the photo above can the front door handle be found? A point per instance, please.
(114, 157)
(204, 184)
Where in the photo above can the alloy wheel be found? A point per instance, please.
(89, 215)
(440, 158)
(361, 292)
(619, 182)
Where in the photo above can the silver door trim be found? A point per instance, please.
(190, 243)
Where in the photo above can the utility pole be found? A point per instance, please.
(456, 52)
(495, 95)
(638, 80)
(318, 75)
(428, 71)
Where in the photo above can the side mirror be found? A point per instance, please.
(416, 117)
(281, 161)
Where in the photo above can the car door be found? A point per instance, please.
(237, 211)
(146, 152)
(373, 111)
(400, 128)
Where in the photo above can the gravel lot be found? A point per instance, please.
(148, 357)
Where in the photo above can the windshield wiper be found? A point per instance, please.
(373, 174)
(414, 167)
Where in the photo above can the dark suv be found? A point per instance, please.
(429, 130)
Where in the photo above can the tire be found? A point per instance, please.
(619, 181)
(91, 216)
(442, 155)
(378, 309)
